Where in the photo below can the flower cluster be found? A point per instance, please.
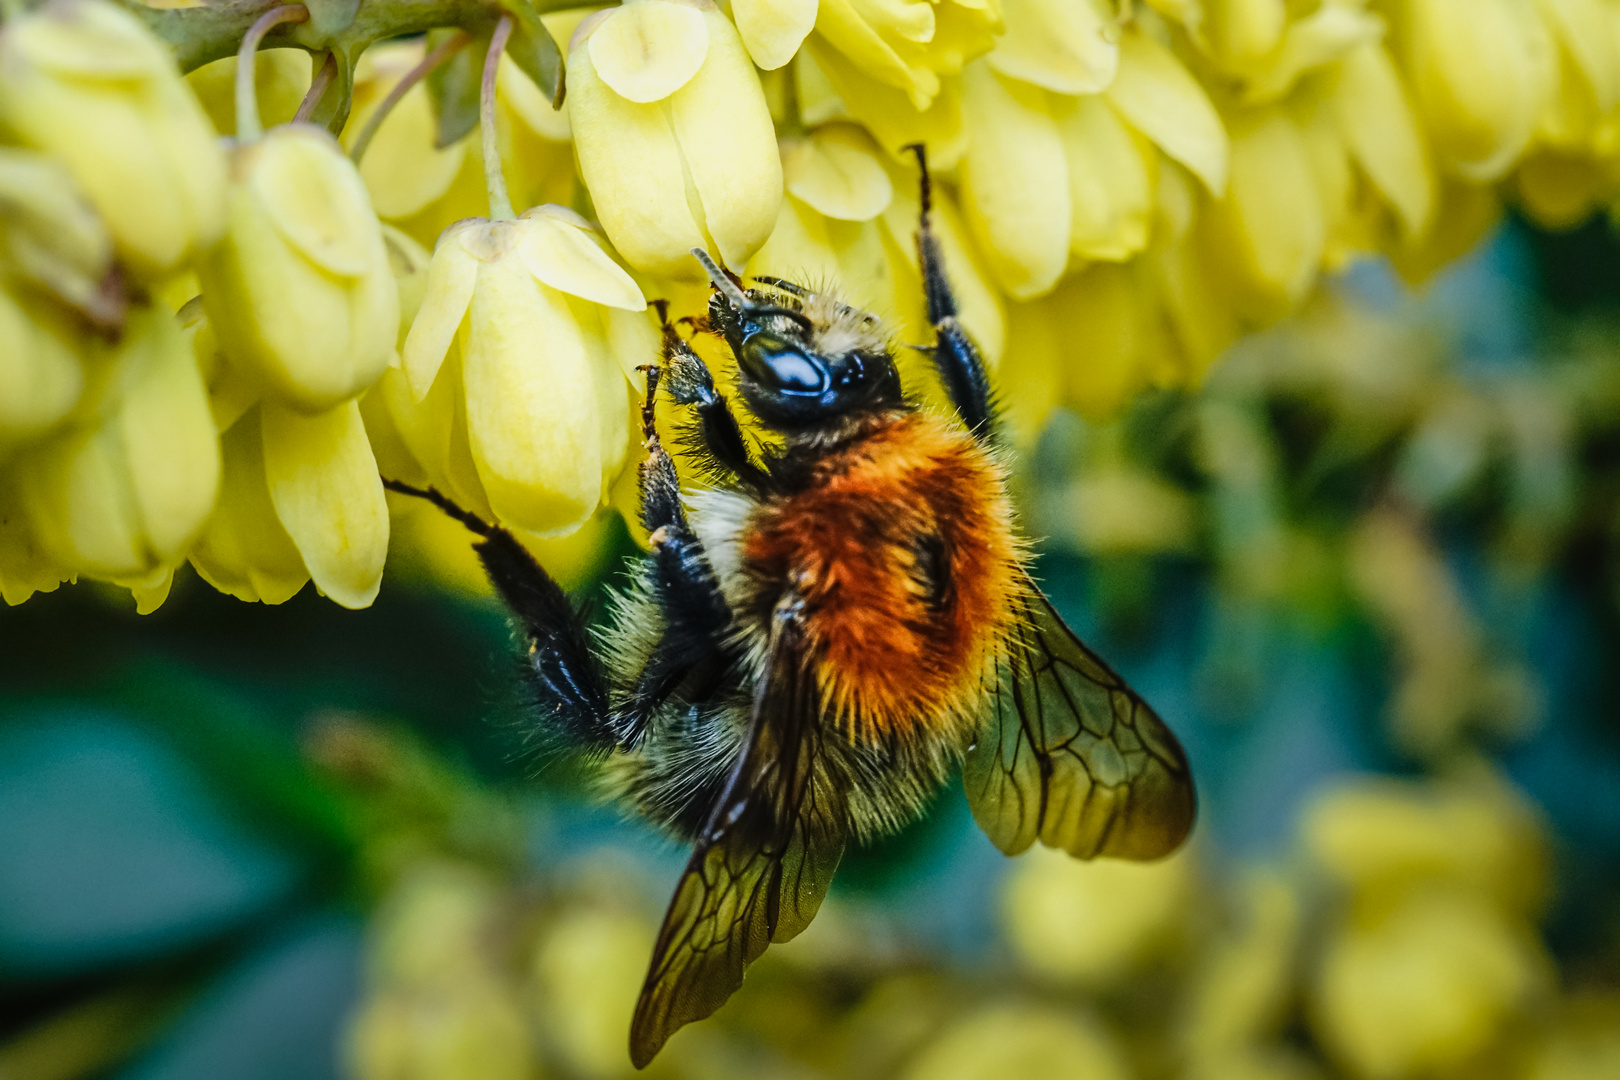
(426, 259)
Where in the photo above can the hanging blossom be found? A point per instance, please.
(434, 265)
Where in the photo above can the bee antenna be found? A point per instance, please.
(472, 521)
(722, 281)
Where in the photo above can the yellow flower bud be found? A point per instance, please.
(587, 971)
(323, 483)
(540, 407)
(1240, 33)
(1021, 1040)
(661, 89)
(1163, 101)
(1015, 182)
(1070, 46)
(1424, 985)
(84, 80)
(40, 371)
(50, 235)
(772, 30)
(1265, 239)
(245, 550)
(127, 492)
(1113, 174)
(838, 171)
(300, 290)
(1480, 72)
(1089, 923)
(1383, 134)
(1587, 84)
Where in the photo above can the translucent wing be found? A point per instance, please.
(762, 866)
(1069, 755)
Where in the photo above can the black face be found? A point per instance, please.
(788, 384)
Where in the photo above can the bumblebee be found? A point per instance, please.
(813, 644)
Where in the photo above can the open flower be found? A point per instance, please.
(84, 80)
(299, 291)
(663, 89)
(522, 310)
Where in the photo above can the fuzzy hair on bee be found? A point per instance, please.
(813, 645)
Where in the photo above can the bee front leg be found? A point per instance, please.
(691, 383)
(695, 611)
(955, 356)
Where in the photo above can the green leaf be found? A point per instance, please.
(534, 50)
(454, 85)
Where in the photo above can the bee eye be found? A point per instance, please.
(784, 367)
(795, 373)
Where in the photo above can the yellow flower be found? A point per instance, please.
(546, 407)
(1113, 174)
(660, 89)
(1161, 99)
(301, 499)
(50, 236)
(123, 491)
(1087, 922)
(1022, 1040)
(84, 80)
(1265, 238)
(908, 44)
(1481, 72)
(1587, 86)
(300, 290)
(1015, 186)
(1069, 46)
(41, 374)
(1376, 119)
(1423, 984)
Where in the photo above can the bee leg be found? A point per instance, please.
(559, 665)
(720, 437)
(695, 609)
(955, 356)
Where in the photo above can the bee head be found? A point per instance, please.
(804, 361)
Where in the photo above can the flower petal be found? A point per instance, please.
(773, 29)
(245, 551)
(563, 256)
(450, 281)
(648, 49)
(837, 171)
(1164, 102)
(1382, 133)
(323, 483)
(1069, 46)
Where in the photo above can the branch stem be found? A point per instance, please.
(248, 126)
(500, 204)
(432, 60)
(317, 88)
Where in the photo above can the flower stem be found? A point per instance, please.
(317, 88)
(445, 51)
(247, 97)
(500, 205)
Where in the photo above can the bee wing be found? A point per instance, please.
(760, 869)
(1068, 754)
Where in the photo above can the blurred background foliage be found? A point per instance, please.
(1371, 573)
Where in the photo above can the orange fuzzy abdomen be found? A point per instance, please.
(904, 554)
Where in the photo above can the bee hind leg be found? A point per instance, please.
(955, 356)
(559, 665)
